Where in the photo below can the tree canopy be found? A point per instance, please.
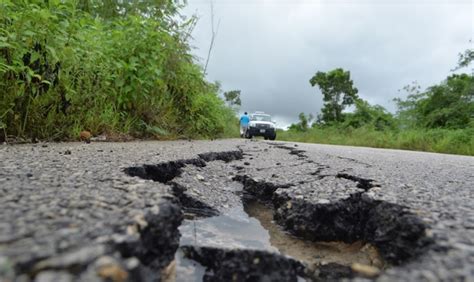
(465, 58)
(338, 92)
(449, 104)
(304, 122)
(232, 98)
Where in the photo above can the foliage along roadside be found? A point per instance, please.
(439, 119)
(450, 141)
(66, 66)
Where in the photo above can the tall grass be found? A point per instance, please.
(460, 141)
(64, 68)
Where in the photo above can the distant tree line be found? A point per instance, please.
(447, 105)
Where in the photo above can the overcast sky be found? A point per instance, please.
(269, 49)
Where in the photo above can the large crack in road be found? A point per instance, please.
(398, 235)
(244, 211)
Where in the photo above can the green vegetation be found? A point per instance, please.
(338, 92)
(439, 119)
(106, 66)
(447, 105)
(459, 141)
(233, 98)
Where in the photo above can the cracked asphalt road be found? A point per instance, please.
(69, 212)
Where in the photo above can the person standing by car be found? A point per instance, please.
(244, 124)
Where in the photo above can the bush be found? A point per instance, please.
(460, 141)
(449, 104)
(65, 68)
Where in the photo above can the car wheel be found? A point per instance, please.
(273, 137)
(266, 138)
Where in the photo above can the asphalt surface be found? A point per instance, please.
(92, 212)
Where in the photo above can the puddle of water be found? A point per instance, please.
(186, 269)
(235, 230)
(251, 226)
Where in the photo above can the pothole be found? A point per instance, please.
(233, 231)
(312, 253)
(393, 229)
(249, 231)
(285, 238)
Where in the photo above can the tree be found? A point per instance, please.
(305, 121)
(465, 58)
(407, 110)
(447, 105)
(450, 104)
(374, 116)
(303, 124)
(233, 98)
(338, 92)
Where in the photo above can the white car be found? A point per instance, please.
(261, 124)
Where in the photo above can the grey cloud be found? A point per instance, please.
(270, 49)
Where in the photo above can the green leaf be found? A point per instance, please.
(5, 45)
(29, 33)
(119, 82)
(128, 89)
(52, 52)
(5, 67)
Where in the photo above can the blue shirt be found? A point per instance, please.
(244, 120)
